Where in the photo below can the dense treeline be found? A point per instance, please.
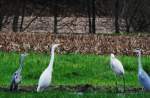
(65, 7)
(135, 13)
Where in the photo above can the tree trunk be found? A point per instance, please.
(15, 23)
(1, 21)
(16, 17)
(1, 16)
(55, 8)
(89, 14)
(22, 17)
(127, 25)
(117, 16)
(93, 16)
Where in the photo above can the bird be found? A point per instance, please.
(117, 67)
(46, 76)
(16, 77)
(143, 77)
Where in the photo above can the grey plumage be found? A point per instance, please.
(143, 77)
(16, 77)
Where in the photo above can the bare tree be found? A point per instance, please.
(22, 14)
(116, 12)
(1, 16)
(1, 21)
(55, 8)
(135, 14)
(88, 5)
(93, 16)
(16, 16)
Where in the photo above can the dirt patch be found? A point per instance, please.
(79, 88)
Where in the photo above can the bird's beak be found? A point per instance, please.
(59, 48)
(26, 54)
(134, 50)
(60, 44)
(137, 50)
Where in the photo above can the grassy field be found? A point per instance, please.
(71, 70)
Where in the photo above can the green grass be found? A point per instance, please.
(70, 69)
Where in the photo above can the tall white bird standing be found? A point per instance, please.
(143, 77)
(46, 76)
(117, 67)
(16, 78)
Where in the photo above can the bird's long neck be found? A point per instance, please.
(21, 64)
(139, 61)
(50, 66)
(112, 58)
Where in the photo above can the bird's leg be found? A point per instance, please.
(11, 86)
(16, 87)
(124, 83)
(42, 89)
(116, 83)
(142, 90)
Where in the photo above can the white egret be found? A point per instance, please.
(117, 67)
(143, 77)
(16, 78)
(46, 76)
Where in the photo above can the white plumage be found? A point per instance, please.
(46, 76)
(117, 67)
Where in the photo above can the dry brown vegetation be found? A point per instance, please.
(77, 43)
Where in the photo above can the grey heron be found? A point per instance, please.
(16, 77)
(143, 77)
